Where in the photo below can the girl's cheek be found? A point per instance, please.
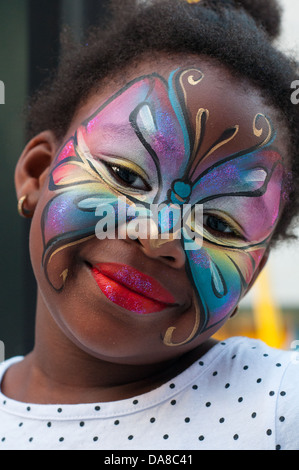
(220, 278)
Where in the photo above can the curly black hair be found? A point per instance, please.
(237, 33)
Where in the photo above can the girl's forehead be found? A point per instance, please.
(229, 100)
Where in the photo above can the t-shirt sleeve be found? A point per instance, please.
(287, 413)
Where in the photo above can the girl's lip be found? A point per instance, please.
(131, 289)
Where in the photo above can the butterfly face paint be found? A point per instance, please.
(154, 129)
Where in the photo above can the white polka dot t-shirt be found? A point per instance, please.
(242, 395)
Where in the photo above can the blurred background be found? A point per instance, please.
(29, 46)
(271, 310)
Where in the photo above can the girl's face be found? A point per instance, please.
(173, 135)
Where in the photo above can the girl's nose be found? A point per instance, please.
(169, 251)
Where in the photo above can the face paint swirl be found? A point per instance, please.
(149, 144)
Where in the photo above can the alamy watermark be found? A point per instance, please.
(2, 352)
(2, 92)
(295, 94)
(295, 354)
(154, 221)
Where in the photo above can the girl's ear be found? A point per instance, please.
(33, 167)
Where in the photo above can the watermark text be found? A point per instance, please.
(154, 221)
(2, 352)
(295, 94)
(2, 92)
(295, 354)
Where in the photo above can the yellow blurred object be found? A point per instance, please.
(267, 317)
(263, 321)
(193, 1)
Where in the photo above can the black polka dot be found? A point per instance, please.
(221, 420)
(3, 439)
(187, 420)
(172, 386)
(236, 437)
(30, 439)
(283, 394)
(116, 422)
(130, 437)
(152, 420)
(173, 402)
(282, 419)
(234, 356)
(97, 408)
(271, 393)
(201, 438)
(20, 425)
(278, 447)
(4, 402)
(208, 404)
(253, 415)
(201, 363)
(59, 410)
(61, 439)
(245, 367)
(49, 424)
(278, 364)
(95, 439)
(259, 380)
(269, 432)
(240, 399)
(28, 408)
(195, 387)
(82, 424)
(165, 436)
(135, 402)
(215, 373)
(227, 385)
(265, 355)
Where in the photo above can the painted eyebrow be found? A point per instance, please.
(120, 129)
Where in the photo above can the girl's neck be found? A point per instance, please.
(57, 371)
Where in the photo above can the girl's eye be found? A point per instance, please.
(128, 177)
(219, 226)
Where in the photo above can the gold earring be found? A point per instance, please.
(22, 211)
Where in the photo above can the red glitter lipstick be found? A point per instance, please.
(131, 289)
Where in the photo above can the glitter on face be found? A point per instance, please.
(128, 289)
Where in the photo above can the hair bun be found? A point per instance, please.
(266, 13)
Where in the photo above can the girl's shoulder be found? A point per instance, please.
(256, 358)
(6, 364)
(268, 378)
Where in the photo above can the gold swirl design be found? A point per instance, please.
(169, 333)
(258, 132)
(220, 143)
(201, 113)
(191, 80)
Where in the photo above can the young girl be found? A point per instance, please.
(177, 104)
